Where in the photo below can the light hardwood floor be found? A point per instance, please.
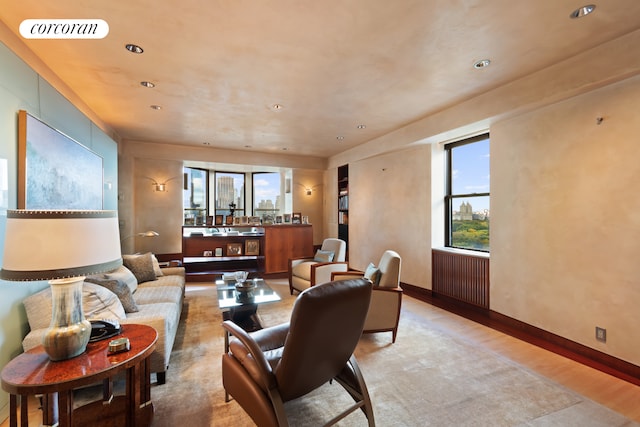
(614, 393)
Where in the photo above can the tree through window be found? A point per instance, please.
(467, 196)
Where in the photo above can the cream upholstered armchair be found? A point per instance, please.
(307, 272)
(386, 299)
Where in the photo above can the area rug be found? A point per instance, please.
(427, 378)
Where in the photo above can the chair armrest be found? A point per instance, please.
(295, 261)
(347, 275)
(302, 259)
(272, 337)
(258, 360)
(321, 272)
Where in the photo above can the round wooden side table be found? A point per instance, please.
(33, 373)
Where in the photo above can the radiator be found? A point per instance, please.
(461, 277)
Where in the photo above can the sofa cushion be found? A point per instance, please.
(323, 256)
(372, 273)
(155, 294)
(303, 270)
(97, 303)
(121, 274)
(166, 280)
(141, 265)
(121, 290)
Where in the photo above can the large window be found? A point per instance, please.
(267, 200)
(230, 191)
(467, 195)
(194, 199)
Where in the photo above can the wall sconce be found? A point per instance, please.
(309, 190)
(159, 186)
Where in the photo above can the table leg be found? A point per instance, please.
(132, 401)
(24, 410)
(49, 409)
(13, 410)
(107, 391)
(245, 316)
(145, 382)
(65, 408)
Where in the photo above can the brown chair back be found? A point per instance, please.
(326, 324)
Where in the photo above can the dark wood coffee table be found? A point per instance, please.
(242, 306)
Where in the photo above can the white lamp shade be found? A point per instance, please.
(44, 245)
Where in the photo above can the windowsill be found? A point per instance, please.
(464, 252)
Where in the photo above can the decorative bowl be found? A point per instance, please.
(245, 287)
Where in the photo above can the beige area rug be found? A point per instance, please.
(427, 378)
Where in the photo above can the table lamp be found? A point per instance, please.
(62, 247)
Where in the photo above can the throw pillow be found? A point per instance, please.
(156, 266)
(121, 274)
(372, 273)
(323, 256)
(121, 290)
(141, 266)
(99, 302)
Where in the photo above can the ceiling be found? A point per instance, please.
(219, 67)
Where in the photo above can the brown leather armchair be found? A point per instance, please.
(386, 299)
(263, 369)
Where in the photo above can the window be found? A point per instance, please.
(267, 200)
(194, 198)
(230, 193)
(467, 196)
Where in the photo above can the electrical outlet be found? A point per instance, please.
(601, 334)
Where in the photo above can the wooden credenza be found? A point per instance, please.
(282, 242)
(276, 243)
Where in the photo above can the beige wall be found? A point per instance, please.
(389, 208)
(141, 208)
(565, 218)
(310, 205)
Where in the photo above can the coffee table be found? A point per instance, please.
(242, 306)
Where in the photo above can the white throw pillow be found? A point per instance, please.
(124, 275)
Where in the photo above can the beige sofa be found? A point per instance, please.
(123, 296)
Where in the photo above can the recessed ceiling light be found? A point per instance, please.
(156, 107)
(483, 63)
(133, 48)
(340, 137)
(148, 84)
(206, 143)
(285, 149)
(582, 11)
(277, 106)
(361, 126)
(247, 146)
